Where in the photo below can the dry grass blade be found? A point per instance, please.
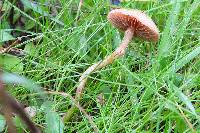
(78, 106)
(5, 50)
(187, 120)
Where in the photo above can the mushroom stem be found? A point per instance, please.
(120, 51)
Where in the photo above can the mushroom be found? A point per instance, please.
(134, 23)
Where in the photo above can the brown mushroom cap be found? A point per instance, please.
(142, 25)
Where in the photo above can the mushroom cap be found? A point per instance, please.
(142, 25)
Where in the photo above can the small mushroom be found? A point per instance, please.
(135, 23)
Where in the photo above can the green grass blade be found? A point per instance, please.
(183, 61)
(166, 40)
(182, 97)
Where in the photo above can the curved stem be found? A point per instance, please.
(120, 51)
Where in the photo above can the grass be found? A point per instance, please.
(153, 88)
